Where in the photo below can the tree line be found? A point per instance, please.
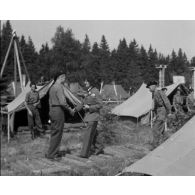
(129, 64)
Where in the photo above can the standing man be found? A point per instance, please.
(32, 101)
(178, 102)
(58, 104)
(162, 108)
(92, 105)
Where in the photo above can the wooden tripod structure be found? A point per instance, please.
(17, 64)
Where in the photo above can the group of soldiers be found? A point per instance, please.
(163, 109)
(91, 104)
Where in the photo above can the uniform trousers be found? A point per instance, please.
(34, 120)
(90, 139)
(159, 125)
(57, 125)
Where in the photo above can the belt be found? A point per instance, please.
(56, 106)
(160, 107)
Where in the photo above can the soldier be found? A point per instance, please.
(161, 107)
(178, 102)
(32, 102)
(190, 101)
(92, 105)
(58, 104)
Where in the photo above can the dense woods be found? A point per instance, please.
(129, 64)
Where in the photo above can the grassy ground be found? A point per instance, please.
(113, 131)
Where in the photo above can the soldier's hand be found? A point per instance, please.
(30, 113)
(72, 112)
(86, 107)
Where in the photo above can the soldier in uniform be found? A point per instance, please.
(178, 102)
(162, 109)
(57, 103)
(32, 102)
(92, 105)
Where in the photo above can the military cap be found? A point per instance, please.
(151, 83)
(164, 88)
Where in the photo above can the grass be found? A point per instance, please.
(112, 131)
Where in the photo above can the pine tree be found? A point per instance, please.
(86, 46)
(143, 64)
(152, 61)
(66, 52)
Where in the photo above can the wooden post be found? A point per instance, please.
(161, 75)
(166, 126)
(151, 119)
(15, 74)
(19, 67)
(7, 54)
(8, 130)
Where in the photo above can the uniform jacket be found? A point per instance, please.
(94, 101)
(161, 100)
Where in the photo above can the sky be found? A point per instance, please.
(163, 35)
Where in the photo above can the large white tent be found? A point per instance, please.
(175, 157)
(140, 103)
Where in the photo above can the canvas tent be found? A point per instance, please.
(141, 102)
(17, 104)
(175, 157)
(113, 92)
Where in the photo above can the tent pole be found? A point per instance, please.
(8, 130)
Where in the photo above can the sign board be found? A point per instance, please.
(178, 79)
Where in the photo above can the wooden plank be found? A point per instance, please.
(105, 156)
(114, 152)
(47, 162)
(22, 165)
(97, 158)
(38, 164)
(29, 164)
(84, 160)
(125, 151)
(74, 162)
(52, 170)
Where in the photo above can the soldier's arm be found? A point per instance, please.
(62, 99)
(96, 107)
(174, 105)
(188, 103)
(26, 103)
(166, 102)
(38, 100)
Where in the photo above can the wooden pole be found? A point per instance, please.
(15, 74)
(8, 130)
(161, 75)
(151, 119)
(6, 56)
(19, 67)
